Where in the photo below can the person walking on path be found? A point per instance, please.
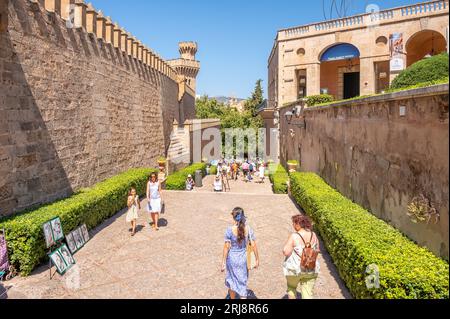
(234, 171)
(190, 184)
(134, 206)
(234, 260)
(298, 251)
(154, 197)
(262, 173)
(218, 184)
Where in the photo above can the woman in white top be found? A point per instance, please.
(295, 275)
(154, 197)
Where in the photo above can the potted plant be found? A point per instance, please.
(162, 162)
(292, 166)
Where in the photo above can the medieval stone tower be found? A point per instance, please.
(187, 66)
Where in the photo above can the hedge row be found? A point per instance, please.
(313, 100)
(89, 206)
(279, 178)
(177, 181)
(356, 239)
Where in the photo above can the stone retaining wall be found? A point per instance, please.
(381, 152)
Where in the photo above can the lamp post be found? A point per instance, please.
(296, 112)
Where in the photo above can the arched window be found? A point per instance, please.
(343, 51)
(424, 43)
(381, 41)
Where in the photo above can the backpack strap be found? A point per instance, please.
(304, 242)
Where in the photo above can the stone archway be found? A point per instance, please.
(424, 43)
(340, 71)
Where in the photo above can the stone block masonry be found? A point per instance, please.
(381, 152)
(77, 105)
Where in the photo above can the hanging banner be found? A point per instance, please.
(396, 48)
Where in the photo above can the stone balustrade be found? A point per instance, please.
(359, 21)
(85, 16)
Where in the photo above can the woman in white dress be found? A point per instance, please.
(133, 207)
(154, 197)
(262, 173)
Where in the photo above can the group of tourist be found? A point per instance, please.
(301, 267)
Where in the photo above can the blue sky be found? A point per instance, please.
(235, 37)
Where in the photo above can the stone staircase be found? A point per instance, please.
(179, 154)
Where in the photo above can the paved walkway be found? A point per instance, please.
(183, 259)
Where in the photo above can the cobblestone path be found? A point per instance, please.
(183, 259)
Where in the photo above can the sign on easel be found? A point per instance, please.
(62, 259)
(53, 232)
(59, 254)
(77, 239)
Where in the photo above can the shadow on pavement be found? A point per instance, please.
(162, 222)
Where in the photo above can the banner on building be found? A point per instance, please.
(397, 52)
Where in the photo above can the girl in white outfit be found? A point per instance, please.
(154, 197)
(133, 208)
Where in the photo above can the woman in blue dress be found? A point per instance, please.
(235, 255)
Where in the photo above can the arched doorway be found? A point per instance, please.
(424, 43)
(340, 71)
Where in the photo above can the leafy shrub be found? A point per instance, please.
(89, 206)
(426, 70)
(213, 170)
(356, 239)
(443, 80)
(279, 178)
(177, 181)
(319, 99)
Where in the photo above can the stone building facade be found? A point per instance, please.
(352, 56)
(381, 152)
(80, 101)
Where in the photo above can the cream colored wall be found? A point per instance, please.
(364, 38)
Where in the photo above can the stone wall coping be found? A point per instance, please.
(439, 89)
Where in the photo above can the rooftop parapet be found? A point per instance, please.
(368, 19)
(94, 22)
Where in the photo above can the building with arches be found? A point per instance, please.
(354, 56)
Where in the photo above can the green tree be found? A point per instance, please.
(208, 108)
(251, 105)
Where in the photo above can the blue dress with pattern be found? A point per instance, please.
(237, 272)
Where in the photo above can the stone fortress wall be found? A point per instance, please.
(79, 102)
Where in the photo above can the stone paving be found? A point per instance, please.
(183, 259)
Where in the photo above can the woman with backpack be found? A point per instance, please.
(301, 267)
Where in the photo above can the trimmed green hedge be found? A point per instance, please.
(89, 206)
(279, 178)
(177, 181)
(356, 239)
(426, 70)
(319, 99)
